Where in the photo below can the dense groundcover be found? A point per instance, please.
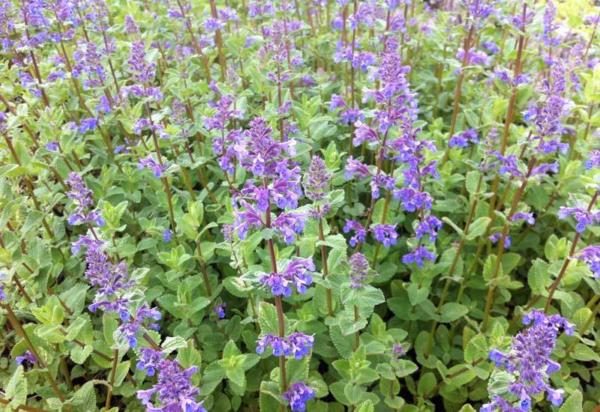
(376, 205)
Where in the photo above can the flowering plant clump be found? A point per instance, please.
(320, 205)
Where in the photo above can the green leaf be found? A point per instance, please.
(267, 319)
(198, 304)
(121, 372)
(172, 343)
(452, 311)
(459, 376)
(335, 259)
(52, 313)
(79, 354)
(585, 353)
(426, 383)
(343, 344)
(189, 356)
(268, 396)
(16, 389)
(366, 406)
(417, 295)
(109, 326)
(453, 225)
(76, 327)
(297, 370)
(74, 298)
(478, 227)
(50, 333)
(366, 297)
(85, 398)
(230, 350)
(476, 349)
(236, 375)
(472, 181)
(404, 367)
(237, 287)
(574, 403)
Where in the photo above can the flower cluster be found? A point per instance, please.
(298, 395)
(276, 183)
(463, 139)
(360, 233)
(82, 197)
(157, 168)
(583, 217)
(316, 181)
(174, 390)
(297, 273)
(529, 362)
(591, 256)
(359, 270)
(297, 345)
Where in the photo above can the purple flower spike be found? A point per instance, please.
(430, 225)
(418, 256)
(463, 139)
(528, 360)
(526, 216)
(298, 395)
(359, 269)
(149, 163)
(316, 182)
(591, 256)
(288, 225)
(360, 233)
(149, 360)
(173, 391)
(593, 161)
(297, 345)
(385, 234)
(583, 217)
(355, 168)
(297, 273)
(82, 196)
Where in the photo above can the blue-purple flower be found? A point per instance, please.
(298, 395)
(359, 270)
(463, 139)
(219, 310)
(529, 362)
(316, 181)
(583, 217)
(149, 163)
(495, 237)
(418, 256)
(385, 234)
(82, 197)
(297, 345)
(26, 357)
(429, 225)
(149, 360)
(173, 391)
(525, 216)
(360, 233)
(591, 256)
(298, 273)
